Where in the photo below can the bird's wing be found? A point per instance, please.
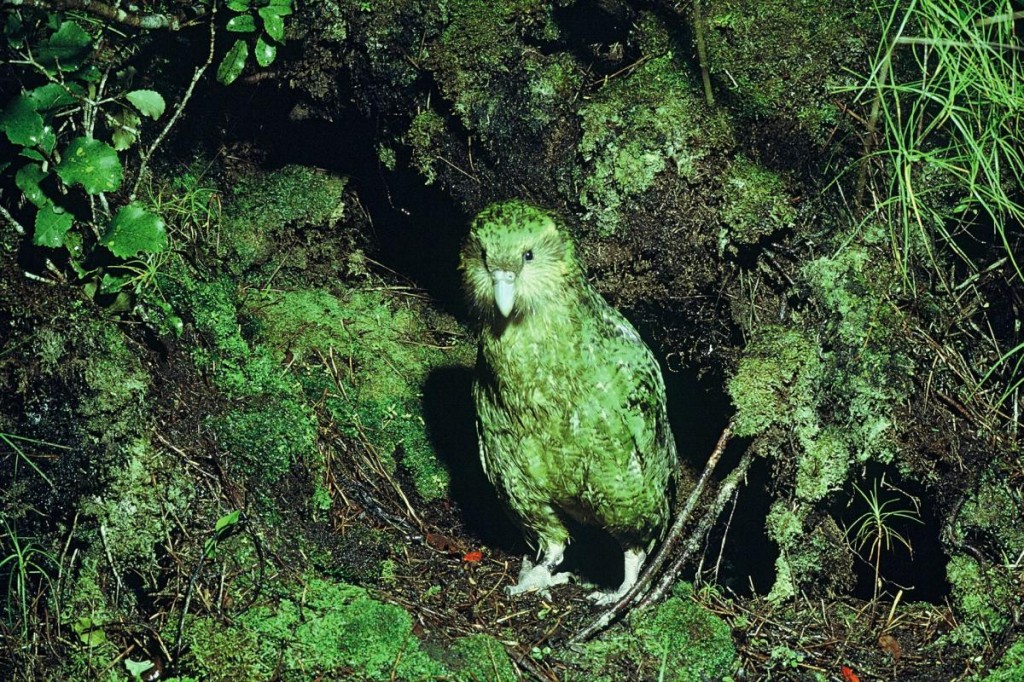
(634, 391)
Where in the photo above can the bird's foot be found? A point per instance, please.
(634, 561)
(533, 578)
(601, 598)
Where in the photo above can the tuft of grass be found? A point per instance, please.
(947, 105)
(25, 564)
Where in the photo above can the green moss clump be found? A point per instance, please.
(424, 135)
(338, 631)
(690, 642)
(775, 378)
(755, 205)
(268, 426)
(380, 343)
(1011, 666)
(984, 595)
(480, 45)
(639, 126)
(480, 658)
(786, 57)
(261, 205)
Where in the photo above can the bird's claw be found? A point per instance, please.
(537, 578)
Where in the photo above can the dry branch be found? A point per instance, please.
(639, 590)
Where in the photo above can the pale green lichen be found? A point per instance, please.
(755, 205)
(641, 125)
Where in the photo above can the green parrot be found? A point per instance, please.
(570, 402)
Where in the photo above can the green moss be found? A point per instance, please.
(268, 426)
(481, 44)
(425, 133)
(480, 658)
(649, 122)
(690, 642)
(135, 512)
(814, 555)
(985, 597)
(774, 379)
(755, 204)
(117, 384)
(1011, 666)
(784, 58)
(337, 631)
(382, 350)
(262, 205)
(994, 510)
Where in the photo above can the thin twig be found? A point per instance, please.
(725, 492)
(181, 105)
(148, 21)
(11, 219)
(671, 540)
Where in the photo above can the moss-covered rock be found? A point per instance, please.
(480, 658)
(325, 629)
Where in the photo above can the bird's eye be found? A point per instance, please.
(527, 255)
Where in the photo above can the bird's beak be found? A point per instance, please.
(504, 290)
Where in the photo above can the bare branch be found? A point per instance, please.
(671, 540)
(200, 70)
(143, 20)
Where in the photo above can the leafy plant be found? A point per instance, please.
(25, 563)
(249, 16)
(225, 525)
(874, 529)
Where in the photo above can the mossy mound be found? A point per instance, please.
(677, 640)
(785, 58)
(366, 353)
(322, 629)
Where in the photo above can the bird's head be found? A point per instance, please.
(516, 261)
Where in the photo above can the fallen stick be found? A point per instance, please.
(671, 540)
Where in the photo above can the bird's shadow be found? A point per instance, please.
(450, 419)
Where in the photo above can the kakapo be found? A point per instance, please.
(570, 402)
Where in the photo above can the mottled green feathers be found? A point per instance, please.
(570, 401)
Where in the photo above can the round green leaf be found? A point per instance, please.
(133, 230)
(238, 5)
(52, 223)
(281, 10)
(234, 62)
(148, 102)
(265, 52)
(50, 96)
(27, 179)
(243, 23)
(92, 164)
(273, 24)
(21, 122)
(66, 48)
(126, 130)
